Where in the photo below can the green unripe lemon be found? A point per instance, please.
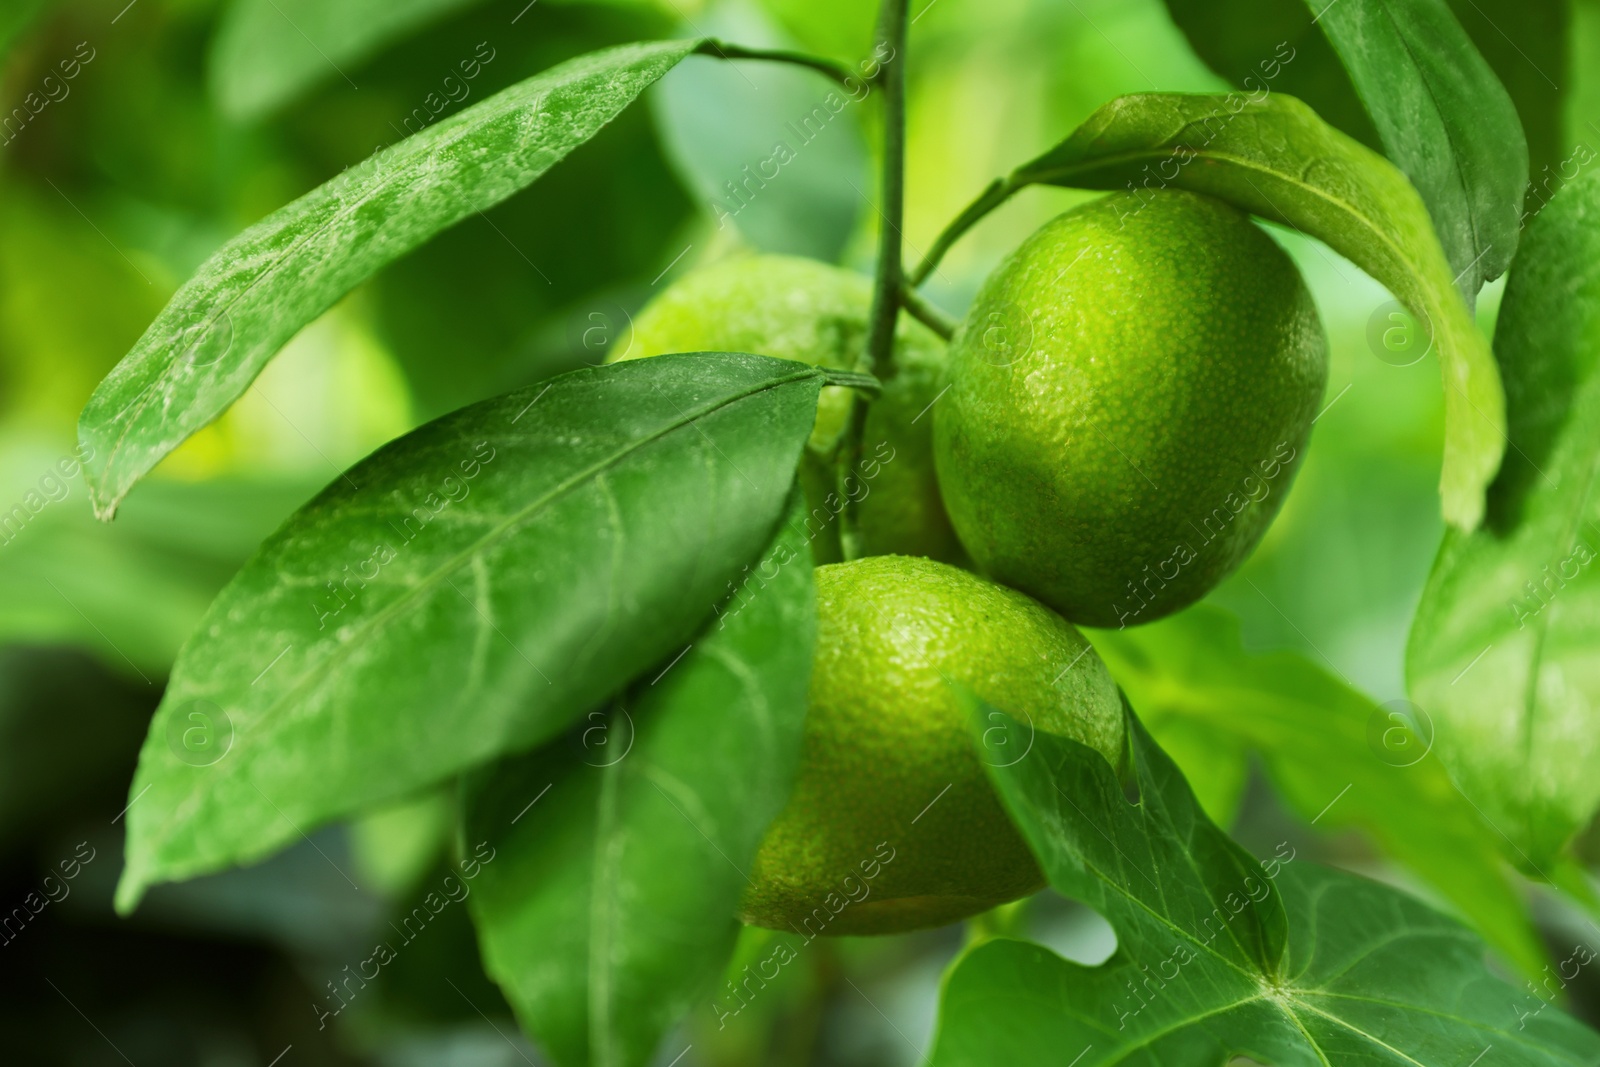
(893, 823)
(1130, 396)
(794, 308)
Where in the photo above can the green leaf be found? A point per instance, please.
(1444, 119)
(1412, 84)
(1277, 159)
(1217, 955)
(611, 904)
(248, 299)
(267, 52)
(1337, 758)
(466, 591)
(1272, 44)
(1526, 43)
(1501, 652)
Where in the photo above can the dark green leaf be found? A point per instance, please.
(254, 294)
(1286, 963)
(1526, 43)
(1502, 649)
(463, 593)
(1337, 758)
(1276, 158)
(611, 902)
(1444, 119)
(1401, 76)
(1273, 44)
(267, 52)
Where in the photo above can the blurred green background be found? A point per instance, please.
(183, 121)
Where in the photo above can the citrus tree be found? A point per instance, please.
(806, 607)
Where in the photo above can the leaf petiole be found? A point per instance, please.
(837, 72)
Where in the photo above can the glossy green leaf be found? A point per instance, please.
(1277, 159)
(1501, 653)
(1271, 44)
(267, 52)
(1337, 758)
(1526, 44)
(466, 591)
(255, 293)
(610, 908)
(1412, 83)
(1444, 119)
(1217, 955)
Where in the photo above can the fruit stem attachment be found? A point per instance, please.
(850, 379)
(999, 191)
(921, 309)
(826, 67)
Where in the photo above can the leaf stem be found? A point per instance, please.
(865, 383)
(838, 72)
(925, 312)
(999, 191)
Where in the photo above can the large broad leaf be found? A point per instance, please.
(1502, 651)
(1337, 758)
(1277, 159)
(267, 52)
(1403, 76)
(610, 907)
(1287, 963)
(254, 294)
(464, 592)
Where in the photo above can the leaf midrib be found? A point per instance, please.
(389, 611)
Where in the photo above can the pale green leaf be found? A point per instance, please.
(1502, 650)
(203, 351)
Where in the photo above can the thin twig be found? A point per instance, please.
(826, 67)
(999, 191)
(932, 317)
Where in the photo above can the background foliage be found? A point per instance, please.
(188, 120)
